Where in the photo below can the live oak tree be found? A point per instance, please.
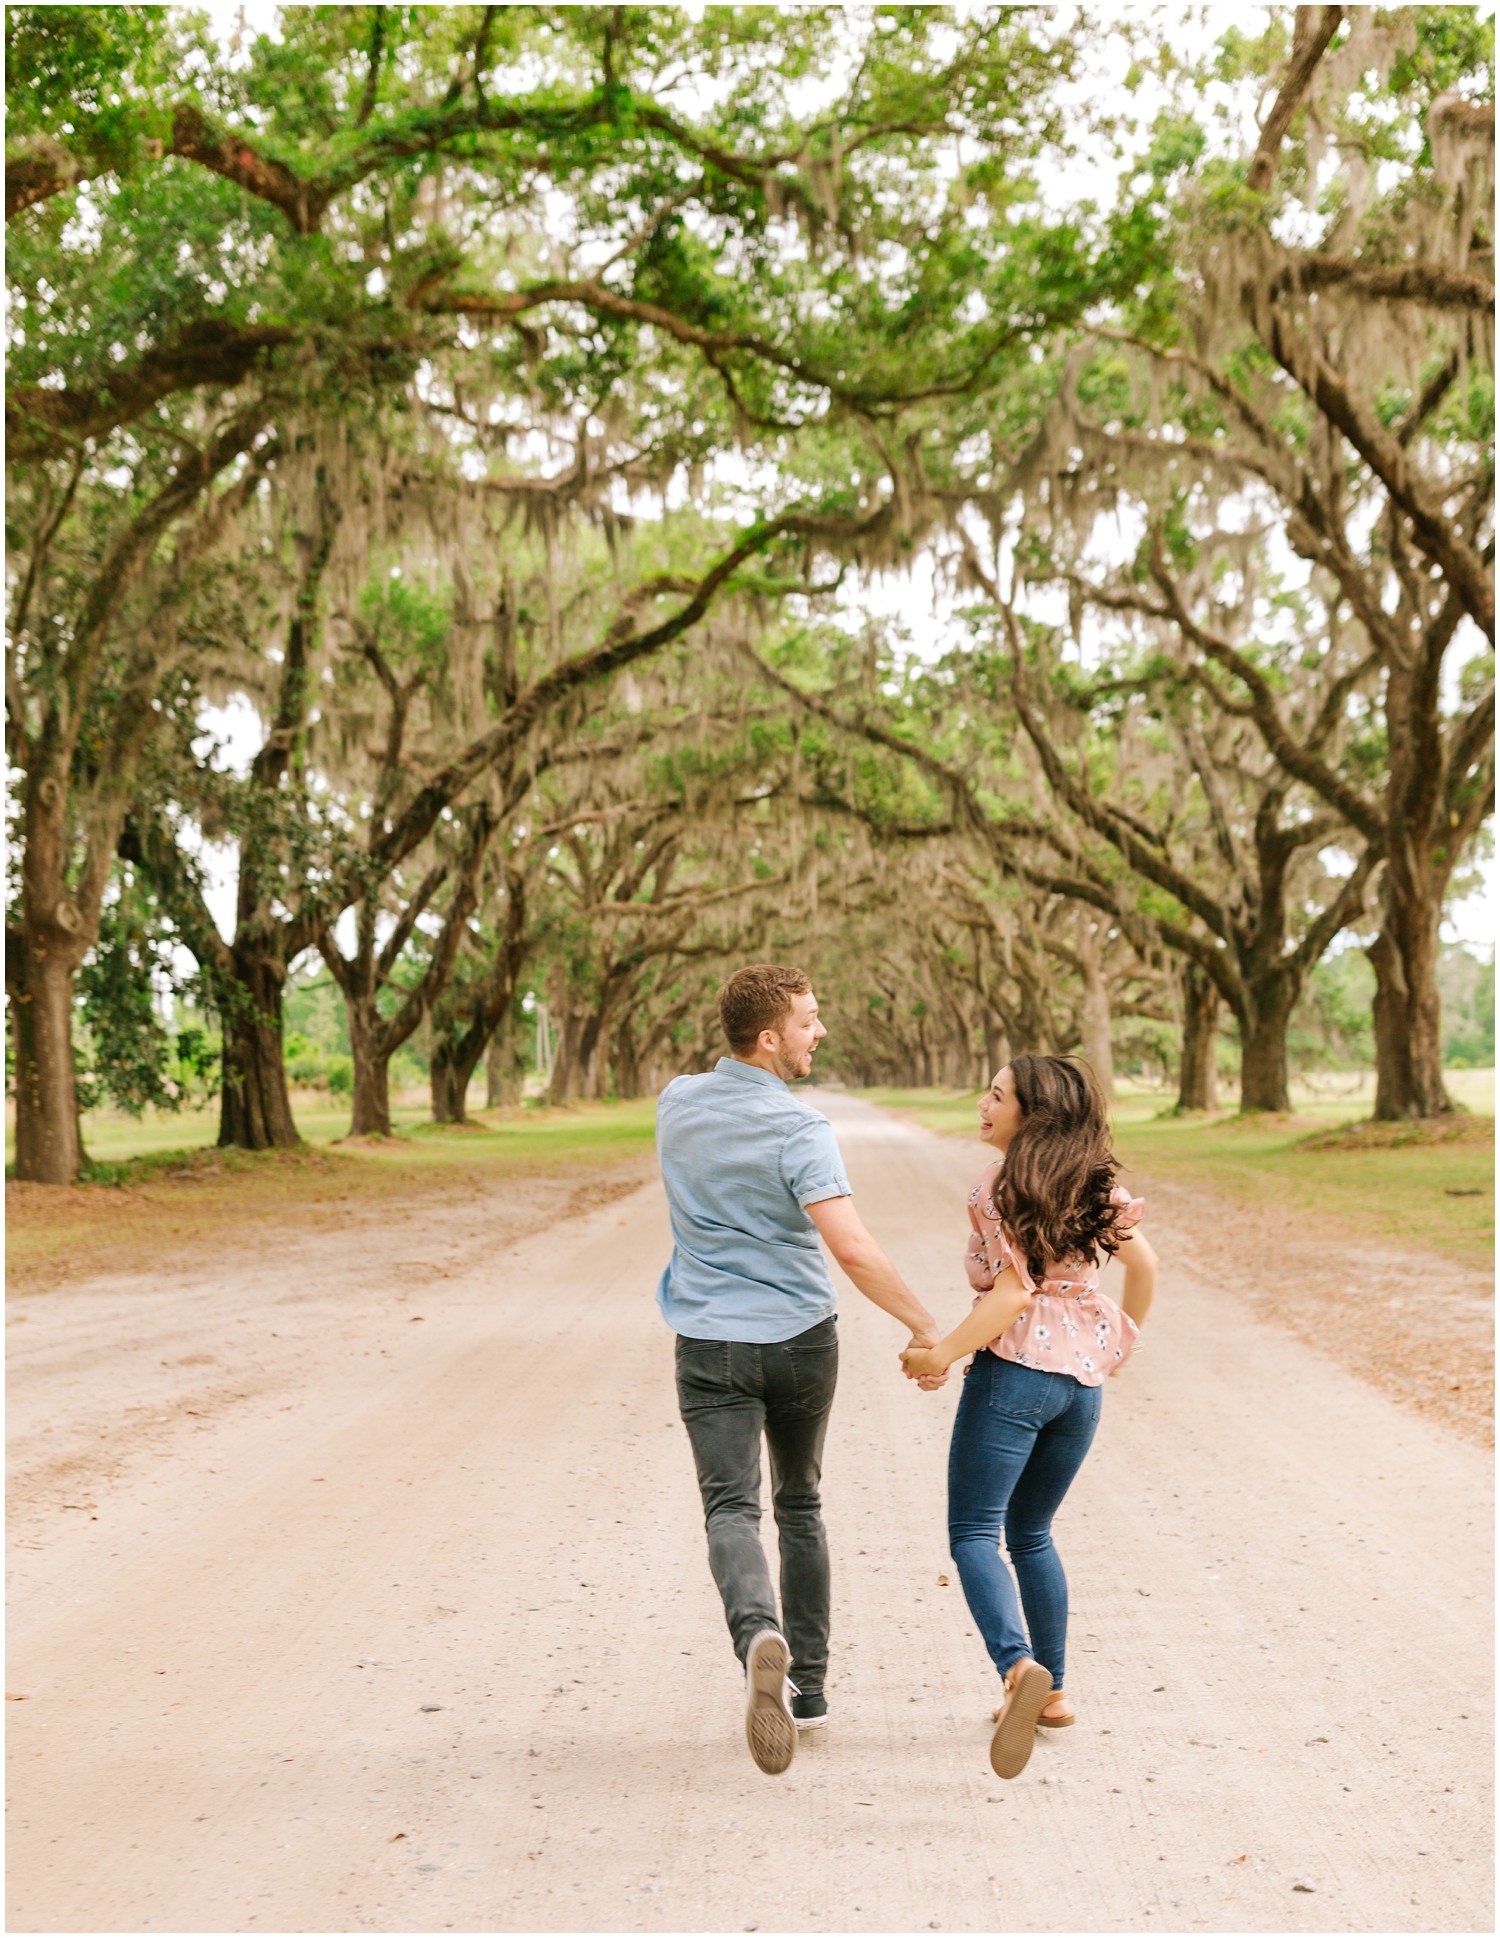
(1240, 883)
(650, 872)
(96, 629)
(1177, 839)
(988, 944)
(357, 204)
(1335, 363)
(1333, 395)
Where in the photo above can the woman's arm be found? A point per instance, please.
(994, 1312)
(1140, 1263)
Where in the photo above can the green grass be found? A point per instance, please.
(178, 1188)
(1439, 1196)
(529, 1136)
(1335, 1100)
(1435, 1195)
(175, 1194)
(952, 1113)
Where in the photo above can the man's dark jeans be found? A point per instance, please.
(730, 1393)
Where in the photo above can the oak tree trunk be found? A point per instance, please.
(567, 1073)
(255, 1112)
(996, 1048)
(40, 978)
(1098, 1045)
(627, 1063)
(372, 1074)
(42, 958)
(1198, 1077)
(1263, 1073)
(448, 1077)
(592, 1077)
(1408, 1014)
(502, 1068)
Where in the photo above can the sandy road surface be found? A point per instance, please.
(410, 1628)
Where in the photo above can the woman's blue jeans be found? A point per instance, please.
(1018, 1439)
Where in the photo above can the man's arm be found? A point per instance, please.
(843, 1232)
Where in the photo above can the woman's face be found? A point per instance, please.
(999, 1113)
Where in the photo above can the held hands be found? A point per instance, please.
(922, 1362)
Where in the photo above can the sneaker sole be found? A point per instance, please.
(810, 1722)
(1015, 1733)
(769, 1729)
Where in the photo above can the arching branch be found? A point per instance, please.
(1315, 28)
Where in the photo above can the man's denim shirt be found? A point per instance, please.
(740, 1157)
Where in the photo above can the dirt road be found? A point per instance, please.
(361, 1585)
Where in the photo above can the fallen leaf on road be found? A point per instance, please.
(11, 1696)
(395, 1837)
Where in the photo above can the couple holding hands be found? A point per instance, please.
(754, 1178)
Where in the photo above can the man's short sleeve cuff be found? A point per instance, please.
(812, 1166)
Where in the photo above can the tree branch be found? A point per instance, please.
(372, 77)
(622, 646)
(505, 306)
(407, 921)
(1315, 28)
(127, 557)
(1295, 760)
(1433, 530)
(1432, 283)
(213, 351)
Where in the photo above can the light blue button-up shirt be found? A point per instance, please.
(740, 1157)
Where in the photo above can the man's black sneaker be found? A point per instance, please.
(809, 1712)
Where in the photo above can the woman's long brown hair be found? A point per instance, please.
(1053, 1193)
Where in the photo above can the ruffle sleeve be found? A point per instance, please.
(1132, 1210)
(1006, 1254)
(977, 1265)
(989, 1251)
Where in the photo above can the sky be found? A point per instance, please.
(914, 600)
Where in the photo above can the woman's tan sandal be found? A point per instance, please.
(1044, 1721)
(1026, 1696)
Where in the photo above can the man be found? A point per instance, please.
(753, 1177)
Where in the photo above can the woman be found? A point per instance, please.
(1043, 1337)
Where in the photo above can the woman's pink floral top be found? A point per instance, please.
(1069, 1325)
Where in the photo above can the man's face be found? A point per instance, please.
(792, 1045)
